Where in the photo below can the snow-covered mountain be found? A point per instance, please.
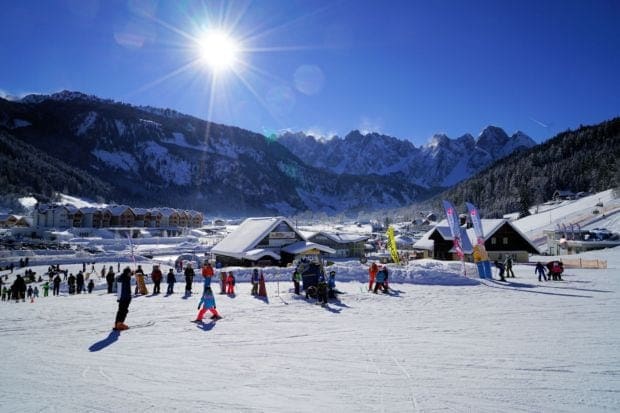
(158, 156)
(442, 162)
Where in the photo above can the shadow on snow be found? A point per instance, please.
(100, 345)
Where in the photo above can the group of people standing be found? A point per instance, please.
(506, 266)
(378, 278)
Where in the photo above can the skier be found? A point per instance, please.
(500, 267)
(156, 276)
(46, 288)
(322, 290)
(372, 275)
(540, 270)
(170, 279)
(223, 282)
(79, 279)
(71, 282)
(207, 302)
(110, 279)
(19, 288)
(508, 265)
(262, 290)
(380, 279)
(5, 291)
(207, 274)
(230, 284)
(296, 280)
(124, 299)
(254, 282)
(331, 284)
(56, 286)
(35, 292)
(29, 292)
(91, 286)
(189, 278)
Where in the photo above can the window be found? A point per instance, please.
(505, 240)
(493, 241)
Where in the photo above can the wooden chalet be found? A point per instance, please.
(265, 241)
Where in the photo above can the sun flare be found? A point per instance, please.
(218, 50)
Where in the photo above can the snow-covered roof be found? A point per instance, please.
(166, 212)
(89, 210)
(117, 210)
(140, 211)
(248, 234)
(303, 246)
(72, 209)
(468, 237)
(342, 238)
(256, 254)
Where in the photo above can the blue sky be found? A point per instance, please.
(408, 69)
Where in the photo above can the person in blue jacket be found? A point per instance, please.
(380, 280)
(207, 302)
(124, 299)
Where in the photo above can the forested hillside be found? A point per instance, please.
(29, 171)
(582, 160)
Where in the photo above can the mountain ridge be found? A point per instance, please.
(159, 156)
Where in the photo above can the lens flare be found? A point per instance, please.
(218, 50)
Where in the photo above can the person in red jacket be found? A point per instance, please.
(156, 276)
(230, 284)
(207, 274)
(372, 275)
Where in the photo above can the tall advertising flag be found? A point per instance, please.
(392, 245)
(455, 230)
(481, 258)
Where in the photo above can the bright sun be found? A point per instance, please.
(218, 50)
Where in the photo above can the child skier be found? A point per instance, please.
(540, 270)
(230, 284)
(208, 303)
(170, 279)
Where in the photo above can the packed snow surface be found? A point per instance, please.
(439, 341)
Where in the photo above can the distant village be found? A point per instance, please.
(279, 241)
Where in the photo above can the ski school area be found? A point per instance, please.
(437, 340)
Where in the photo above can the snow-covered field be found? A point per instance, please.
(439, 342)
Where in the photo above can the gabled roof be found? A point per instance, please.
(342, 238)
(248, 235)
(468, 237)
(72, 209)
(303, 246)
(166, 212)
(140, 211)
(446, 234)
(90, 210)
(490, 226)
(117, 210)
(256, 254)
